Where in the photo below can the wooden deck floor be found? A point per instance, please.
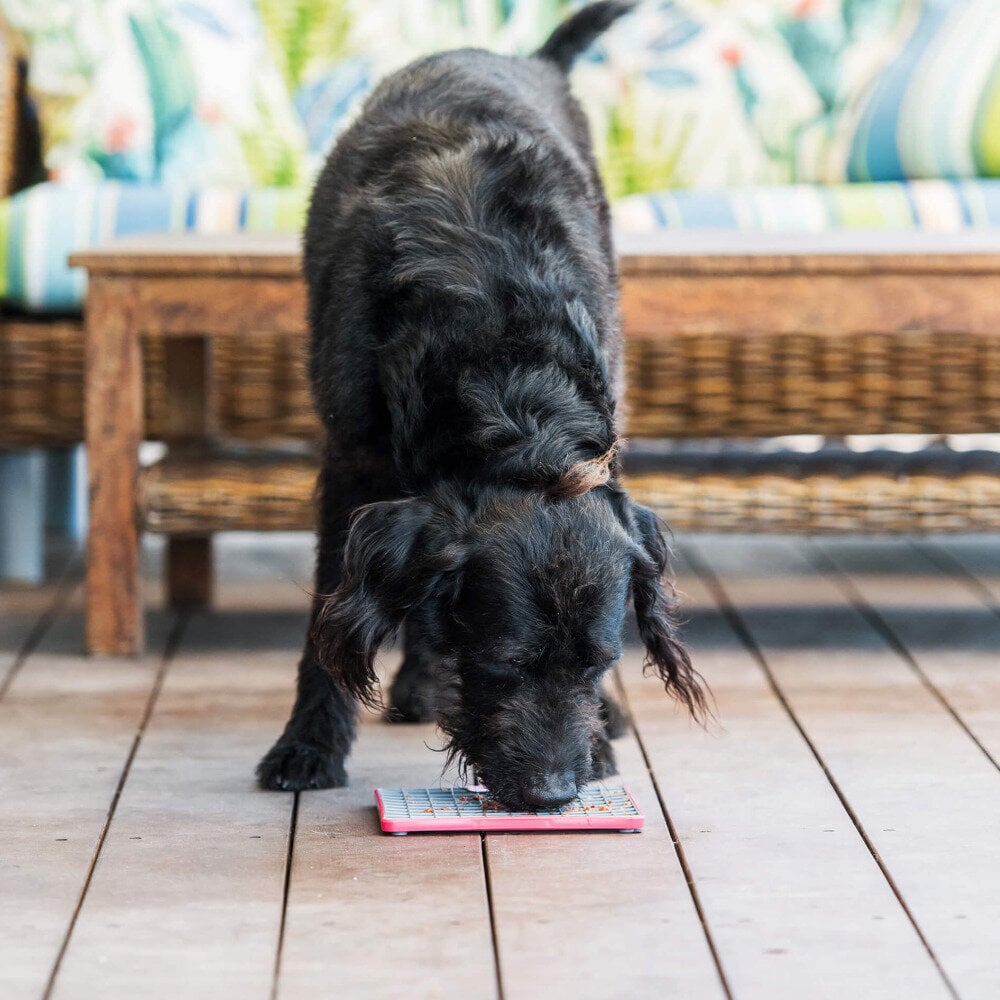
(836, 834)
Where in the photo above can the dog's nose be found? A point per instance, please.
(551, 790)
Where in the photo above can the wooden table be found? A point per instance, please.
(190, 289)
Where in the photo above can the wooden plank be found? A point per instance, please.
(927, 797)
(941, 620)
(800, 302)
(113, 414)
(694, 250)
(67, 726)
(186, 897)
(379, 916)
(789, 890)
(600, 914)
(184, 305)
(273, 254)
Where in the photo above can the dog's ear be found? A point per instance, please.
(655, 604)
(396, 553)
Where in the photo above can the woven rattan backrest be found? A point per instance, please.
(748, 385)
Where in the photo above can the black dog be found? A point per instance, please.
(465, 361)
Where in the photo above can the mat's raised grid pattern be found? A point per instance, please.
(474, 803)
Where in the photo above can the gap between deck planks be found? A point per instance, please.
(26, 614)
(796, 905)
(940, 623)
(926, 795)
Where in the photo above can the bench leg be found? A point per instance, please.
(189, 408)
(190, 571)
(113, 414)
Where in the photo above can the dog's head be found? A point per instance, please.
(522, 596)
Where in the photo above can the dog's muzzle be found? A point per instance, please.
(550, 790)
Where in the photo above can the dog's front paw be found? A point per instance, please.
(603, 762)
(293, 766)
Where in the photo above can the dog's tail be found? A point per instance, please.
(573, 36)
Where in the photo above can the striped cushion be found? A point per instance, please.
(934, 206)
(40, 227)
(934, 110)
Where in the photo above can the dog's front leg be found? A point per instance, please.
(311, 752)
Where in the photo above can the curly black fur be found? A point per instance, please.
(466, 361)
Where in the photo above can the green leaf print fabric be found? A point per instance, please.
(700, 93)
(171, 91)
(692, 94)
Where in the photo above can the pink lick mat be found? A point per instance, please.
(447, 810)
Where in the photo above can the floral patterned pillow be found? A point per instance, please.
(332, 52)
(736, 92)
(171, 91)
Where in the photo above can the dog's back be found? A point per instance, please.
(466, 186)
(452, 98)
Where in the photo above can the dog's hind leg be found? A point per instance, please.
(310, 753)
(412, 695)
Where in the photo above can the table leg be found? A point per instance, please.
(113, 414)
